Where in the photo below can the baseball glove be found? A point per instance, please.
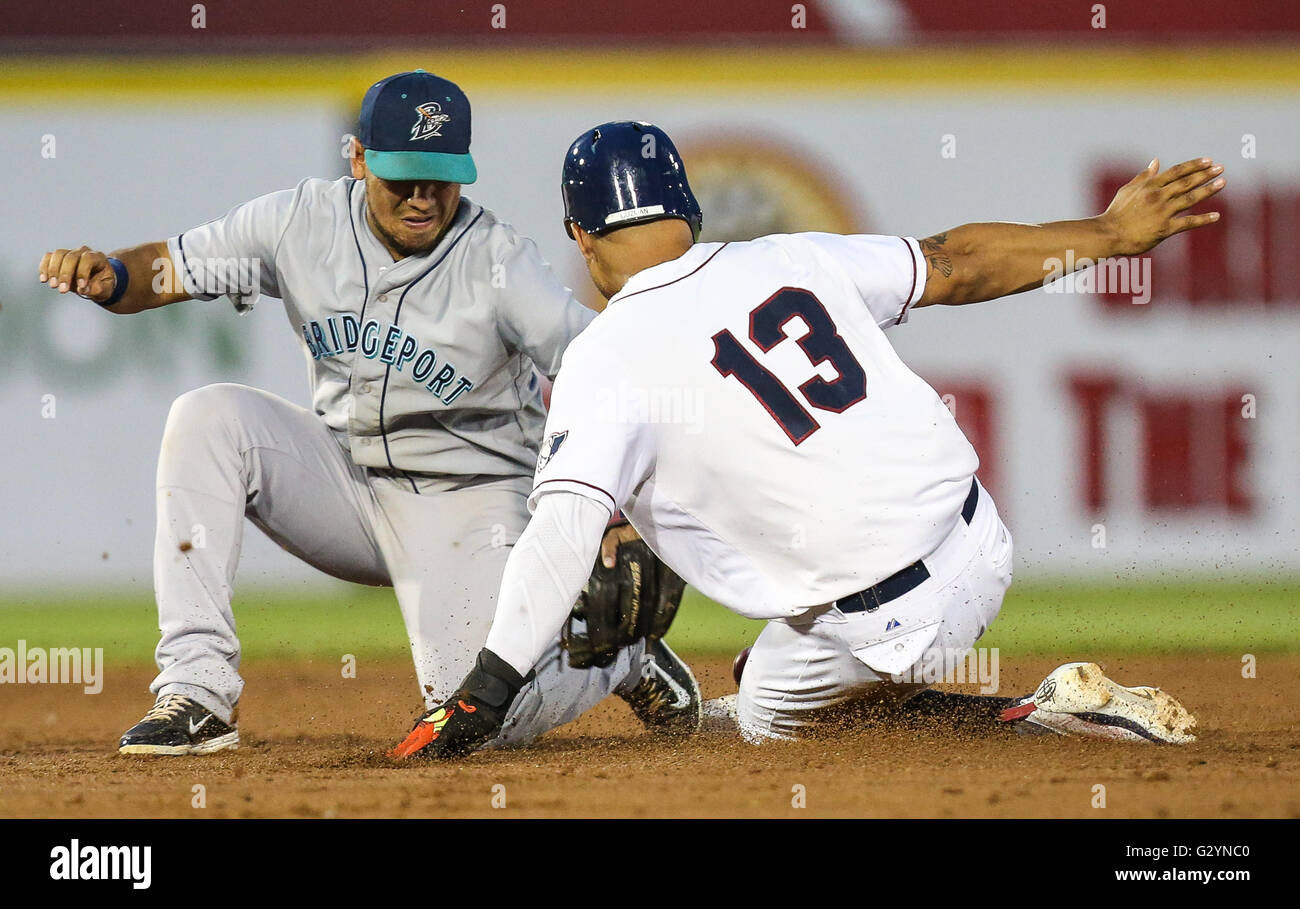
(635, 599)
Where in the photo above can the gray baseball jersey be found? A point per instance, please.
(428, 364)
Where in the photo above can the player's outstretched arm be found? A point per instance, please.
(90, 274)
(978, 262)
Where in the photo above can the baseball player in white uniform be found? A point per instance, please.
(814, 481)
(426, 323)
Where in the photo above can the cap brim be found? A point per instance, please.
(409, 165)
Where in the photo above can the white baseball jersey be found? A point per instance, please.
(425, 364)
(744, 408)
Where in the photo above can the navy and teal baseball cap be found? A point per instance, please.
(415, 126)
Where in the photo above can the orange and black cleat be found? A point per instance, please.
(427, 730)
(471, 718)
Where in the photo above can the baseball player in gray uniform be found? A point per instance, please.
(426, 322)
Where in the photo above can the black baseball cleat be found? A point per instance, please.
(667, 699)
(178, 725)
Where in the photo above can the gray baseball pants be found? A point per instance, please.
(230, 452)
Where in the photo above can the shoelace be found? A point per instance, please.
(167, 707)
(650, 697)
(650, 693)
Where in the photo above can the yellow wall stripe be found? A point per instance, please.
(173, 79)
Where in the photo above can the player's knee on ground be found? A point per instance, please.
(761, 712)
(770, 716)
(798, 679)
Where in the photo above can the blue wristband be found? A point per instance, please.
(119, 288)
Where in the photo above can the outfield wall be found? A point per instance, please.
(1118, 437)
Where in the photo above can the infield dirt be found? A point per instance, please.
(313, 745)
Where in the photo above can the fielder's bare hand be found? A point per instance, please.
(615, 537)
(89, 273)
(984, 261)
(83, 271)
(1150, 207)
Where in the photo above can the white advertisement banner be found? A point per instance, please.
(1139, 420)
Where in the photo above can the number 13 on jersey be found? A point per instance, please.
(822, 344)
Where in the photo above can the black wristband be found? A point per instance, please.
(494, 681)
(123, 279)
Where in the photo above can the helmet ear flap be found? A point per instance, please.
(568, 228)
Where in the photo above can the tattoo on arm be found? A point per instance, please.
(935, 255)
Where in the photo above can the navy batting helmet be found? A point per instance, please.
(625, 173)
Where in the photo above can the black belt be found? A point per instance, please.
(894, 586)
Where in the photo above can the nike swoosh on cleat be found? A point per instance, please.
(683, 696)
(194, 728)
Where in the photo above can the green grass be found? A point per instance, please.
(1097, 620)
(1071, 619)
(274, 624)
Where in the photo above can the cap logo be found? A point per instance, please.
(430, 119)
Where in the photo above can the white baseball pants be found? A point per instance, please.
(825, 658)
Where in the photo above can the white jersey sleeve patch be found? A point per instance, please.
(888, 272)
(592, 446)
(234, 255)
